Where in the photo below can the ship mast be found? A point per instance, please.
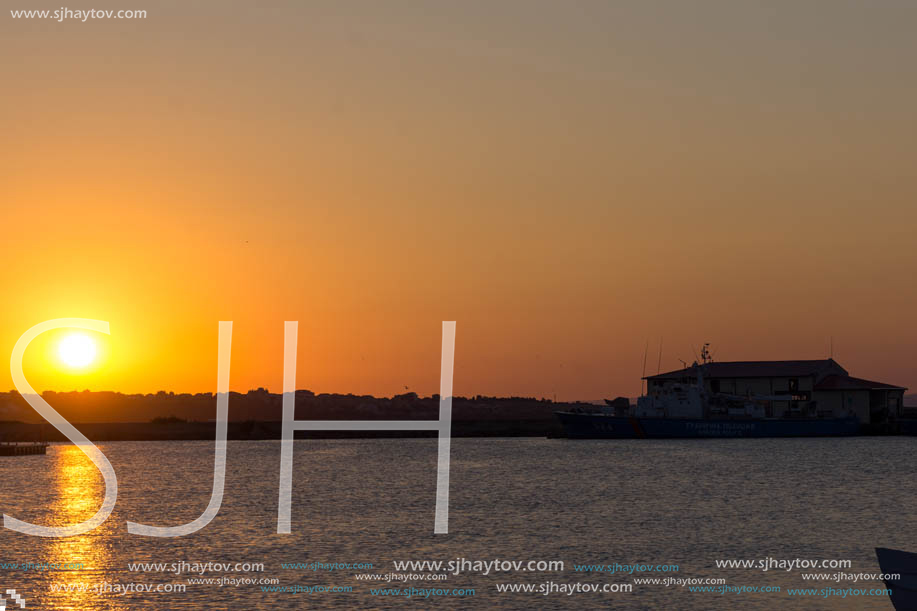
(705, 355)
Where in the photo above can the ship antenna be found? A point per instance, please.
(705, 353)
(642, 380)
(659, 361)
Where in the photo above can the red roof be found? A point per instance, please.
(837, 382)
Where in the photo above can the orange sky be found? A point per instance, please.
(564, 181)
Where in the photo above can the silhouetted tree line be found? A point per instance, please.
(264, 406)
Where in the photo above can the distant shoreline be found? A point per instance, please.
(257, 414)
(265, 430)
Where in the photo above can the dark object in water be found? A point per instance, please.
(904, 589)
(23, 449)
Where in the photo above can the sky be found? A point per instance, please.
(568, 181)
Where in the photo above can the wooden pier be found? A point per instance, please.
(23, 449)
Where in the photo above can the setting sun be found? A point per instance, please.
(77, 350)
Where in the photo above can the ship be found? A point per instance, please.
(743, 399)
(900, 570)
(908, 424)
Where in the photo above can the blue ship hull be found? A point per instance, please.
(601, 426)
(908, 426)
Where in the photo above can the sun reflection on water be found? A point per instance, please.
(79, 493)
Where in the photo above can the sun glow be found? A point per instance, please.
(77, 350)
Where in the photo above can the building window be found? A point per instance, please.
(794, 385)
(715, 385)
